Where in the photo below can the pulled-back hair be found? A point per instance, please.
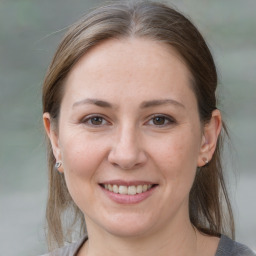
(209, 205)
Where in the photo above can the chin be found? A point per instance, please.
(127, 225)
(128, 231)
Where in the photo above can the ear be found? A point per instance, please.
(52, 133)
(210, 136)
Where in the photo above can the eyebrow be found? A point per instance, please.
(153, 103)
(97, 102)
(144, 104)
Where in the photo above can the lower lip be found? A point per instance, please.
(128, 199)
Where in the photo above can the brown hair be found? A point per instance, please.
(209, 205)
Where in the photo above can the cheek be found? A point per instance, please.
(81, 161)
(81, 156)
(176, 157)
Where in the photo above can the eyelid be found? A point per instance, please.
(85, 120)
(169, 118)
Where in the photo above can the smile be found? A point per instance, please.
(124, 192)
(127, 190)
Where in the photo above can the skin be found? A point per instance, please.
(127, 142)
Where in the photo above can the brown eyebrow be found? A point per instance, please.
(145, 104)
(153, 103)
(97, 102)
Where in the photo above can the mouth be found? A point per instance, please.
(128, 190)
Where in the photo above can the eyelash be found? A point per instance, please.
(167, 120)
(88, 120)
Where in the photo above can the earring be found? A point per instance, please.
(58, 164)
(205, 159)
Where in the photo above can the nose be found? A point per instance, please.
(127, 151)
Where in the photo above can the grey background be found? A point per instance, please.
(29, 33)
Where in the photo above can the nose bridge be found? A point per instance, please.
(127, 135)
(127, 151)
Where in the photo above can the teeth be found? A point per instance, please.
(139, 189)
(127, 190)
(144, 188)
(110, 187)
(122, 190)
(115, 189)
(131, 190)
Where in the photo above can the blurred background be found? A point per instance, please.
(29, 34)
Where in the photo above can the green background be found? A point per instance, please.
(29, 33)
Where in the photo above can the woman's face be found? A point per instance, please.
(129, 122)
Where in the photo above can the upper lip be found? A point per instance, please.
(127, 183)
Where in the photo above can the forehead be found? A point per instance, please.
(128, 66)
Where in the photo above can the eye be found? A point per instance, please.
(95, 121)
(161, 120)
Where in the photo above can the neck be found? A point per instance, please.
(173, 239)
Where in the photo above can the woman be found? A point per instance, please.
(134, 132)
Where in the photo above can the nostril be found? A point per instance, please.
(127, 159)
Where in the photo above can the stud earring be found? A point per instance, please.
(205, 159)
(58, 164)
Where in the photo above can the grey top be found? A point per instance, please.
(226, 247)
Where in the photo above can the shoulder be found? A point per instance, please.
(68, 250)
(228, 247)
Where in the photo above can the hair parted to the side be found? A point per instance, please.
(210, 209)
